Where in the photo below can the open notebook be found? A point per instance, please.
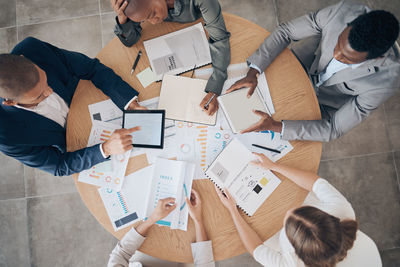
(142, 190)
(181, 97)
(249, 185)
(238, 109)
(179, 51)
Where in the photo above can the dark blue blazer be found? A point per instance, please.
(40, 142)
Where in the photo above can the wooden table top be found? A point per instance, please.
(294, 99)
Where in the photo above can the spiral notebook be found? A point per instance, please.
(179, 51)
(249, 185)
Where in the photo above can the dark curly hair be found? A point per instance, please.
(374, 32)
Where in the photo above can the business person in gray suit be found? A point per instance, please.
(353, 62)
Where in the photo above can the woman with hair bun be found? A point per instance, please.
(320, 233)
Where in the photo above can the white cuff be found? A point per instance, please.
(202, 252)
(102, 152)
(127, 105)
(255, 67)
(283, 128)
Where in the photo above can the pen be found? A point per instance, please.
(266, 148)
(136, 61)
(209, 101)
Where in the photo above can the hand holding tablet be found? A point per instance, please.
(151, 123)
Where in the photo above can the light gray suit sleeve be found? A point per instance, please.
(294, 30)
(352, 113)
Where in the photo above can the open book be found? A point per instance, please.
(249, 185)
(181, 97)
(179, 51)
(142, 190)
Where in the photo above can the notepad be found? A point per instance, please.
(249, 185)
(181, 97)
(179, 51)
(238, 109)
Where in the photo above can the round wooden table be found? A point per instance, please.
(294, 99)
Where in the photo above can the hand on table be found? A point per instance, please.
(164, 207)
(213, 106)
(119, 142)
(134, 105)
(194, 204)
(226, 199)
(249, 81)
(266, 122)
(119, 8)
(263, 161)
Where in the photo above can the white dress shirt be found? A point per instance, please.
(279, 251)
(122, 253)
(52, 107)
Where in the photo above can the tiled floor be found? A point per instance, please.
(43, 221)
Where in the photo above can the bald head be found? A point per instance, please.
(153, 11)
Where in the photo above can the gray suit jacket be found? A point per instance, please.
(350, 95)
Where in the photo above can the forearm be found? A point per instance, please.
(304, 179)
(144, 227)
(201, 234)
(249, 237)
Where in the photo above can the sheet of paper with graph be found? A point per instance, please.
(179, 51)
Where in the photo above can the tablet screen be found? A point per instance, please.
(151, 123)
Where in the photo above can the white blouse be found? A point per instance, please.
(278, 251)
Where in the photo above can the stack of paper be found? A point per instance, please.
(141, 191)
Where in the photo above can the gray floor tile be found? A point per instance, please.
(81, 34)
(7, 13)
(11, 178)
(105, 6)
(368, 137)
(397, 162)
(108, 22)
(64, 233)
(8, 39)
(261, 12)
(244, 260)
(391, 257)
(392, 112)
(39, 183)
(37, 11)
(370, 185)
(14, 243)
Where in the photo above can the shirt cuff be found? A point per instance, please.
(202, 252)
(255, 67)
(102, 152)
(127, 105)
(283, 128)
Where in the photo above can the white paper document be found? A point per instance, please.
(249, 185)
(106, 111)
(127, 206)
(178, 51)
(266, 139)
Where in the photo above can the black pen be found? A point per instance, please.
(267, 148)
(136, 61)
(209, 101)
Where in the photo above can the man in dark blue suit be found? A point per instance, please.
(37, 82)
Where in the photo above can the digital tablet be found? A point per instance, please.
(151, 122)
